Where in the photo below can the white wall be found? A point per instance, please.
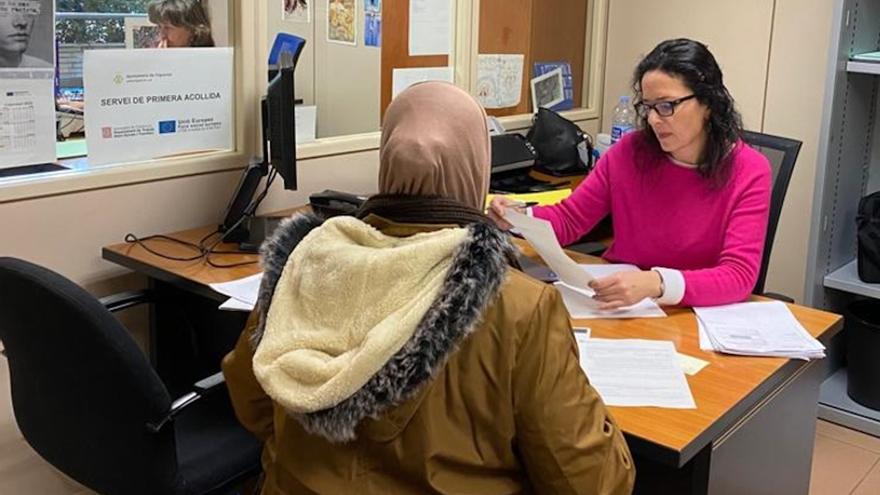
(796, 87)
(343, 81)
(773, 55)
(737, 33)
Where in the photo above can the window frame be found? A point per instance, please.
(249, 25)
(243, 22)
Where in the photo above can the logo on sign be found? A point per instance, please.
(167, 126)
(106, 132)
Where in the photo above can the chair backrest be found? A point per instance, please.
(782, 154)
(82, 391)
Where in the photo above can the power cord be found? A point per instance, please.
(204, 250)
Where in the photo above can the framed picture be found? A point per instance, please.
(342, 22)
(548, 90)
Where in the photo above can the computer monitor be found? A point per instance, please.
(279, 152)
(279, 131)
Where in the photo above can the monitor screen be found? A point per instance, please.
(280, 124)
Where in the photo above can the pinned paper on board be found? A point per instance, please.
(499, 80)
(404, 78)
(430, 27)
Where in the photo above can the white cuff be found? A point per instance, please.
(673, 286)
(529, 211)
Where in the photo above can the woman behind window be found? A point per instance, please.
(182, 23)
(398, 352)
(689, 201)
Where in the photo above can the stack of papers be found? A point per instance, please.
(635, 373)
(242, 293)
(574, 279)
(756, 329)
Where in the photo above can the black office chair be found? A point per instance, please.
(87, 400)
(782, 154)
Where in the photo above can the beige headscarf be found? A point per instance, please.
(435, 142)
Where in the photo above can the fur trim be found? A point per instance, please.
(273, 257)
(478, 269)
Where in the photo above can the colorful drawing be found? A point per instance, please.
(342, 21)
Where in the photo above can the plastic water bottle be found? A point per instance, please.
(603, 142)
(624, 119)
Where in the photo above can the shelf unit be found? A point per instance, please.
(863, 67)
(849, 168)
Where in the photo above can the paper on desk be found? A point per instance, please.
(756, 329)
(691, 365)
(233, 304)
(243, 290)
(635, 373)
(581, 307)
(540, 235)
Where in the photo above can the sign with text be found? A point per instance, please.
(160, 103)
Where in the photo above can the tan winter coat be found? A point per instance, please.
(486, 396)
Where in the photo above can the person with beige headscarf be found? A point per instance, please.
(399, 352)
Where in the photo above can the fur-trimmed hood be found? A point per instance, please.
(444, 281)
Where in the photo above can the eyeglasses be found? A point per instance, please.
(663, 108)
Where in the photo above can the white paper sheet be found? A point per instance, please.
(233, 304)
(157, 104)
(306, 117)
(499, 80)
(540, 235)
(430, 27)
(404, 78)
(636, 373)
(27, 117)
(581, 307)
(244, 289)
(758, 329)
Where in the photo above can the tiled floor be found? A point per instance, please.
(845, 462)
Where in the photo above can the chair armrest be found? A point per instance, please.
(128, 299)
(778, 297)
(201, 389)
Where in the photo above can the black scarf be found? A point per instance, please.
(430, 210)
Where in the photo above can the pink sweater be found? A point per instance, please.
(666, 215)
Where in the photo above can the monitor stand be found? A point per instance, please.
(257, 230)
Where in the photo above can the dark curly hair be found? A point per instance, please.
(693, 63)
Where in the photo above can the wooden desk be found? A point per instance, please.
(752, 431)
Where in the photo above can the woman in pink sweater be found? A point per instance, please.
(689, 201)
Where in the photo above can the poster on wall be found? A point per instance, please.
(27, 34)
(373, 22)
(500, 79)
(158, 104)
(27, 76)
(296, 10)
(342, 22)
(27, 118)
